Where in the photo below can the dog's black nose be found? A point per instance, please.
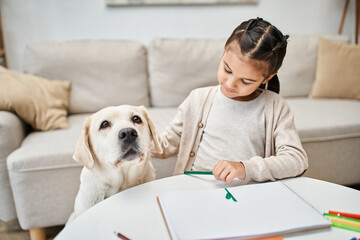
(127, 135)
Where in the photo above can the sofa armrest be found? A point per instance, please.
(12, 133)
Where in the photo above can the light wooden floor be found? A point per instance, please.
(12, 231)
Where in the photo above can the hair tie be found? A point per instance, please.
(253, 23)
(285, 38)
(283, 42)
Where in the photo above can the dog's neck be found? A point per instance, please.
(118, 178)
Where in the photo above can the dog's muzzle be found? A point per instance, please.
(128, 140)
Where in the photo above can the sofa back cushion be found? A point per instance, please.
(176, 66)
(102, 73)
(297, 73)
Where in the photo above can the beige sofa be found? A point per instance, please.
(38, 175)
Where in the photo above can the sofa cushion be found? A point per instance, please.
(102, 72)
(40, 102)
(161, 118)
(325, 119)
(297, 73)
(338, 71)
(49, 149)
(177, 66)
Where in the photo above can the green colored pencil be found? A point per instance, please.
(345, 226)
(198, 172)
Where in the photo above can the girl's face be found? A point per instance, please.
(239, 77)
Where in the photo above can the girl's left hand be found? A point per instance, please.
(227, 170)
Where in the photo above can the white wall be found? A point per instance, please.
(25, 21)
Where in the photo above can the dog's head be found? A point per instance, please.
(116, 135)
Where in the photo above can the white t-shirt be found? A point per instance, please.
(235, 131)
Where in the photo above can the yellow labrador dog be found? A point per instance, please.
(114, 147)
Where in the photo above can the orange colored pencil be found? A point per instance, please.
(344, 214)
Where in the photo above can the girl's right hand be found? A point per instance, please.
(228, 170)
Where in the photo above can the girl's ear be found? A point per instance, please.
(269, 78)
(83, 153)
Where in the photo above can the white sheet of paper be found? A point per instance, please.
(261, 210)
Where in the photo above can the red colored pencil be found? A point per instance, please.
(119, 235)
(343, 214)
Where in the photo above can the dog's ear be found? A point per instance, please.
(83, 152)
(156, 147)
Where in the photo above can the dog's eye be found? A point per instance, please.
(105, 124)
(136, 119)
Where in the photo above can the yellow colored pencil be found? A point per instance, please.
(343, 221)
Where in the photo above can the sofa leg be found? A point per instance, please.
(37, 234)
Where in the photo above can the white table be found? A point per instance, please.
(135, 212)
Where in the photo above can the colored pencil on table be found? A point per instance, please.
(343, 214)
(198, 172)
(121, 236)
(332, 215)
(343, 220)
(345, 226)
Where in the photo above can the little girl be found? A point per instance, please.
(241, 128)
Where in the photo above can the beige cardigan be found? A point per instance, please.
(284, 155)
